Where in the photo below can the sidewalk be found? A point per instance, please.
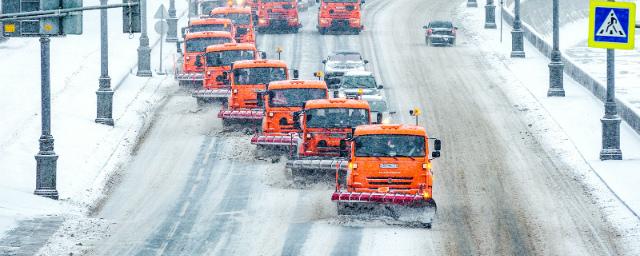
(570, 126)
(90, 154)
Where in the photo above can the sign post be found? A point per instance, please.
(611, 26)
(162, 28)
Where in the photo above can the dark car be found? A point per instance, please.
(440, 33)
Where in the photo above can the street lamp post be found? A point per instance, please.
(490, 15)
(517, 36)
(105, 93)
(556, 67)
(472, 3)
(610, 120)
(46, 159)
(144, 52)
(172, 21)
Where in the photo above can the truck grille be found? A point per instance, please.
(390, 181)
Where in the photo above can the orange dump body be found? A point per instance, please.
(251, 76)
(211, 24)
(218, 59)
(370, 172)
(328, 121)
(340, 15)
(196, 43)
(278, 115)
(242, 20)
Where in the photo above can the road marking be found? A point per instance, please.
(185, 207)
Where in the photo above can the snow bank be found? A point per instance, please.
(89, 153)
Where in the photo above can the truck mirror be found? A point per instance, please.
(324, 61)
(296, 119)
(343, 148)
(198, 62)
(380, 87)
(317, 1)
(225, 75)
(296, 74)
(263, 55)
(425, 27)
(270, 94)
(437, 145)
(362, 2)
(336, 94)
(184, 31)
(435, 154)
(379, 118)
(179, 47)
(366, 62)
(260, 99)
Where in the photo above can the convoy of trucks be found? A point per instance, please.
(337, 128)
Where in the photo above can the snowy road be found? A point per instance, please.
(193, 190)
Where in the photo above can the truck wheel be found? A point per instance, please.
(201, 102)
(453, 42)
(356, 31)
(426, 41)
(295, 30)
(322, 31)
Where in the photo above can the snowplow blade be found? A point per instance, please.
(405, 209)
(253, 115)
(222, 93)
(190, 79)
(275, 140)
(329, 165)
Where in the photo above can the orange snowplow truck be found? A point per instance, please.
(195, 45)
(278, 15)
(209, 24)
(242, 20)
(389, 169)
(217, 63)
(280, 101)
(247, 79)
(340, 15)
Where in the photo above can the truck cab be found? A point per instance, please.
(218, 59)
(242, 20)
(390, 158)
(278, 15)
(285, 97)
(195, 45)
(251, 76)
(340, 15)
(206, 6)
(324, 123)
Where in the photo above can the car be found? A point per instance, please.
(339, 62)
(357, 82)
(303, 5)
(440, 33)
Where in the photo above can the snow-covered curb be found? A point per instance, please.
(625, 110)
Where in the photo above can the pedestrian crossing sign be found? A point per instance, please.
(612, 25)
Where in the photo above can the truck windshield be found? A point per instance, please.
(336, 117)
(200, 44)
(225, 58)
(209, 27)
(388, 145)
(353, 82)
(295, 97)
(237, 18)
(250, 76)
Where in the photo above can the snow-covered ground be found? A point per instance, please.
(89, 153)
(574, 20)
(573, 128)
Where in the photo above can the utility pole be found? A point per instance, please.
(105, 93)
(46, 159)
(517, 36)
(472, 3)
(610, 121)
(490, 15)
(172, 21)
(144, 52)
(556, 67)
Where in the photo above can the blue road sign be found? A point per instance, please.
(612, 25)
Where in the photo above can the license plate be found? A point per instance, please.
(388, 166)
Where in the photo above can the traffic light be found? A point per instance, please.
(131, 17)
